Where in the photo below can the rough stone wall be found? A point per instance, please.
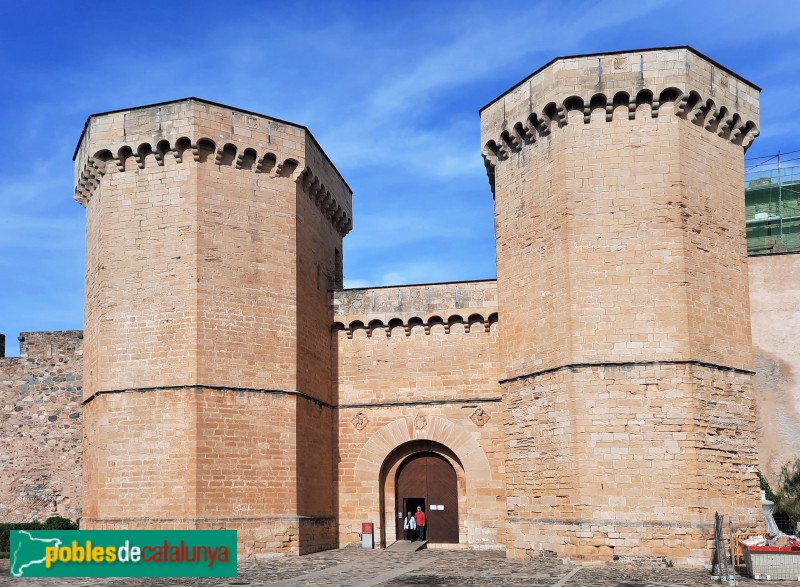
(417, 370)
(633, 438)
(620, 245)
(775, 306)
(40, 427)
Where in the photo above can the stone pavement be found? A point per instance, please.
(355, 567)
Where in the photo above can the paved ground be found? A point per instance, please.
(355, 567)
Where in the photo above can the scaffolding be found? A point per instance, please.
(772, 201)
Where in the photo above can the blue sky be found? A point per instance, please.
(390, 89)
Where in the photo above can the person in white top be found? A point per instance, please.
(409, 527)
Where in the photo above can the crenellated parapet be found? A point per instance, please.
(212, 237)
(468, 323)
(205, 151)
(389, 311)
(691, 106)
(596, 89)
(325, 201)
(193, 131)
(182, 150)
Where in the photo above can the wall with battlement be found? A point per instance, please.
(210, 156)
(624, 85)
(418, 364)
(213, 237)
(202, 131)
(422, 343)
(230, 382)
(406, 306)
(40, 427)
(612, 172)
(53, 360)
(622, 283)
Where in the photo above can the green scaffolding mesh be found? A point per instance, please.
(772, 201)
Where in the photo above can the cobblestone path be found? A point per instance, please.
(355, 567)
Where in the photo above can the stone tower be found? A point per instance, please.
(213, 236)
(622, 288)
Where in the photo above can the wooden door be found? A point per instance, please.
(430, 479)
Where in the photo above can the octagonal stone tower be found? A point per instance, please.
(622, 287)
(213, 236)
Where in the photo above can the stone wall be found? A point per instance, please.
(613, 446)
(213, 237)
(417, 370)
(227, 387)
(37, 387)
(40, 427)
(209, 206)
(775, 307)
(621, 274)
(374, 441)
(607, 200)
(207, 458)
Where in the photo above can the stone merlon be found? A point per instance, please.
(388, 306)
(46, 344)
(627, 84)
(203, 131)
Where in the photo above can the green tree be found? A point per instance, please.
(768, 493)
(788, 491)
(59, 523)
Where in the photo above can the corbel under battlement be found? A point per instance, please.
(468, 323)
(125, 158)
(629, 85)
(469, 305)
(193, 131)
(705, 112)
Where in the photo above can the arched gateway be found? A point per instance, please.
(400, 456)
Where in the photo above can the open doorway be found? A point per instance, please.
(410, 504)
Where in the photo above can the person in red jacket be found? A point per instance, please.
(419, 517)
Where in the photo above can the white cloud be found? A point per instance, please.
(394, 227)
(489, 40)
(391, 97)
